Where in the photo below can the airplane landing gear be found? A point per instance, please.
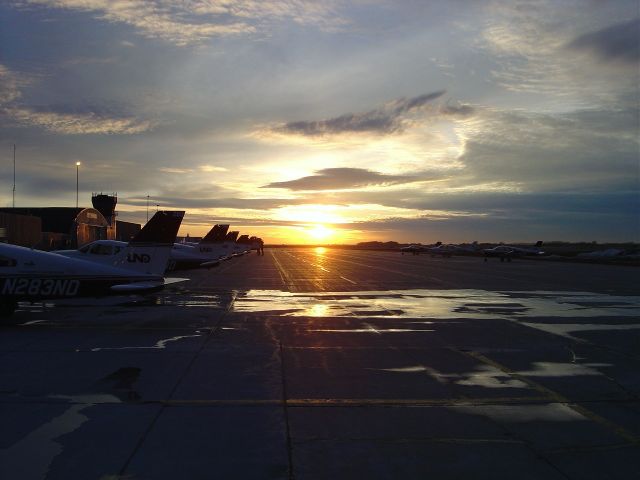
(7, 307)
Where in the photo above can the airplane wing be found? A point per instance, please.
(136, 287)
(211, 263)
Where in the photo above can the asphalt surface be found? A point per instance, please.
(316, 364)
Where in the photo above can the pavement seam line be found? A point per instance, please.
(212, 331)
(285, 408)
(284, 276)
(559, 398)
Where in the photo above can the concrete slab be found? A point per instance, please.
(74, 440)
(606, 464)
(220, 442)
(339, 364)
(379, 459)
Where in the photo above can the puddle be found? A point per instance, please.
(565, 329)
(553, 412)
(439, 304)
(160, 345)
(553, 369)
(42, 441)
(122, 382)
(487, 376)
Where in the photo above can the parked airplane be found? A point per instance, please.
(414, 249)
(442, 250)
(181, 255)
(445, 250)
(30, 275)
(507, 252)
(220, 244)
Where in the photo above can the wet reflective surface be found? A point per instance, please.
(439, 304)
(332, 364)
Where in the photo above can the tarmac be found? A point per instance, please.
(332, 364)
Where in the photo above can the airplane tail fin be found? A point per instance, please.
(149, 250)
(216, 234)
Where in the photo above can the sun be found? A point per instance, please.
(319, 232)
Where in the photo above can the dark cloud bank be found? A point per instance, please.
(386, 119)
(617, 42)
(342, 178)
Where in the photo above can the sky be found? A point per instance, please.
(330, 122)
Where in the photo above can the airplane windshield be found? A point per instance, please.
(99, 249)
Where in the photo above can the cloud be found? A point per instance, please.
(9, 85)
(77, 123)
(342, 178)
(388, 119)
(212, 168)
(194, 22)
(535, 49)
(619, 42)
(585, 150)
(60, 119)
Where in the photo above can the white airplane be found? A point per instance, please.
(507, 252)
(220, 244)
(414, 249)
(215, 246)
(31, 275)
(442, 250)
(181, 256)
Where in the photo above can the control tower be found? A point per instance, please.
(106, 205)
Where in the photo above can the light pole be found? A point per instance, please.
(14, 175)
(77, 177)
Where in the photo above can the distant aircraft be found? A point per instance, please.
(414, 249)
(444, 250)
(31, 275)
(507, 252)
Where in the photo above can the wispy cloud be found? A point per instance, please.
(62, 121)
(528, 41)
(77, 124)
(342, 178)
(196, 21)
(9, 85)
(212, 168)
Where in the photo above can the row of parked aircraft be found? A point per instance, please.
(504, 252)
(106, 267)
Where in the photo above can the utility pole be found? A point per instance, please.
(14, 175)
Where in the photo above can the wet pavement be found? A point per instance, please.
(314, 364)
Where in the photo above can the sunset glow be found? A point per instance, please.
(320, 232)
(307, 122)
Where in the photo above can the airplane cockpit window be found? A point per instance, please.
(7, 262)
(85, 249)
(99, 249)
